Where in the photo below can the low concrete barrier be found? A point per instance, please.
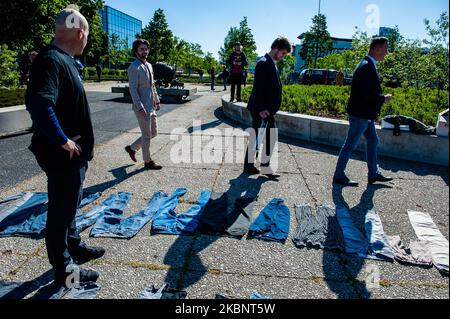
(408, 146)
(14, 119)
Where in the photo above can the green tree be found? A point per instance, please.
(286, 66)
(178, 54)
(118, 52)
(161, 39)
(35, 27)
(9, 76)
(317, 41)
(244, 35)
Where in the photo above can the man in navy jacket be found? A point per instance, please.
(364, 106)
(264, 103)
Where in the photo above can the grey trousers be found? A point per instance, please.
(149, 129)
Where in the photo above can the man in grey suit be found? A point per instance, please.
(145, 103)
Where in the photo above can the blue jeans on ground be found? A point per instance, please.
(168, 222)
(358, 127)
(25, 214)
(116, 201)
(112, 224)
(272, 224)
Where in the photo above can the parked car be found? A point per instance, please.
(317, 76)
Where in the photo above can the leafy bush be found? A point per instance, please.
(11, 97)
(91, 71)
(331, 101)
(9, 74)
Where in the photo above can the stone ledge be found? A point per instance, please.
(432, 150)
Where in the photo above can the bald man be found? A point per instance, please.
(63, 144)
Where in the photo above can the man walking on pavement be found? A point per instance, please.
(63, 144)
(366, 100)
(145, 103)
(264, 103)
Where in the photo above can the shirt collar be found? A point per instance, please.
(372, 59)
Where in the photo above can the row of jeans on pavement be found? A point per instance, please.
(25, 214)
(335, 229)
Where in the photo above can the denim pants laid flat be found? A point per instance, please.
(25, 214)
(321, 230)
(216, 220)
(375, 245)
(426, 230)
(359, 127)
(241, 217)
(418, 253)
(163, 292)
(112, 224)
(169, 223)
(115, 202)
(272, 224)
(379, 245)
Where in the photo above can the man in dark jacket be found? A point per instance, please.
(63, 143)
(366, 100)
(264, 103)
(237, 62)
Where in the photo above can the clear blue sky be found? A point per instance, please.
(207, 21)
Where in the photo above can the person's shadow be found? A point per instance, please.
(193, 269)
(351, 265)
(120, 174)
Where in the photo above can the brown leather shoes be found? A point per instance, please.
(152, 166)
(131, 153)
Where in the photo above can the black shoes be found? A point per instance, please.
(84, 254)
(152, 166)
(131, 153)
(345, 182)
(380, 178)
(252, 170)
(74, 275)
(273, 177)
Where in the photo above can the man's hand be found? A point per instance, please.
(264, 114)
(72, 148)
(143, 112)
(387, 98)
(157, 106)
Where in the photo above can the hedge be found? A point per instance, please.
(331, 101)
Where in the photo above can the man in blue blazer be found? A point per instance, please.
(264, 103)
(364, 106)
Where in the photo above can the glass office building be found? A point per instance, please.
(123, 25)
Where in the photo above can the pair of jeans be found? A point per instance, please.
(25, 214)
(321, 230)
(426, 230)
(374, 245)
(272, 224)
(359, 127)
(168, 222)
(216, 220)
(112, 224)
(114, 202)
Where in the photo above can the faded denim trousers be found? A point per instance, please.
(272, 224)
(359, 127)
(112, 224)
(168, 222)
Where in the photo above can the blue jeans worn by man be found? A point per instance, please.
(359, 127)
